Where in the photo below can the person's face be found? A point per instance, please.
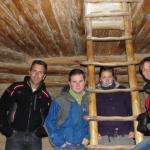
(77, 83)
(146, 70)
(37, 74)
(106, 77)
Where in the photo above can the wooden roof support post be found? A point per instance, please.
(132, 73)
(91, 84)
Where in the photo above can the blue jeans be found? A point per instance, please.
(23, 141)
(144, 145)
(70, 147)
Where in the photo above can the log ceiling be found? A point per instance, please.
(53, 30)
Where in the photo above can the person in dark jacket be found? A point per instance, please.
(113, 104)
(23, 109)
(144, 69)
(66, 128)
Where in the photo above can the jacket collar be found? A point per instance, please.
(27, 82)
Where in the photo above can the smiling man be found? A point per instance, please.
(23, 109)
(65, 125)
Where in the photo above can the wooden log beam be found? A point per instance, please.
(9, 55)
(60, 80)
(113, 64)
(22, 69)
(50, 80)
(14, 68)
(74, 60)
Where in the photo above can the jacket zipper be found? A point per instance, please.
(28, 123)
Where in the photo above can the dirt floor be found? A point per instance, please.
(45, 142)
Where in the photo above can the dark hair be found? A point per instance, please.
(141, 64)
(76, 72)
(39, 62)
(110, 69)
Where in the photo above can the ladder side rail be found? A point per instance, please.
(132, 72)
(91, 84)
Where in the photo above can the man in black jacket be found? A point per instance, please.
(23, 108)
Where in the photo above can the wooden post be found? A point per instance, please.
(92, 96)
(132, 74)
(91, 84)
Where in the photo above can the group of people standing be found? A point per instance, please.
(28, 113)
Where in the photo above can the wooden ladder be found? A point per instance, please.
(97, 16)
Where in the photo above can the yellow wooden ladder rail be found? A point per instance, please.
(93, 12)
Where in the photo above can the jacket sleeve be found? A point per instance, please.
(87, 135)
(147, 102)
(6, 102)
(87, 131)
(40, 131)
(54, 132)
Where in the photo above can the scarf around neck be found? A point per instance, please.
(76, 96)
(113, 85)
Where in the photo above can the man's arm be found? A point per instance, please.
(6, 102)
(54, 133)
(40, 131)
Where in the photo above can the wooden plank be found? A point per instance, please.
(138, 8)
(147, 6)
(109, 23)
(110, 118)
(28, 15)
(118, 147)
(109, 38)
(106, 14)
(142, 37)
(11, 26)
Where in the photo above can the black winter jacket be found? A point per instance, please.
(24, 110)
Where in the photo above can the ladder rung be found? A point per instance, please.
(106, 14)
(109, 38)
(110, 118)
(102, 147)
(114, 90)
(109, 64)
(111, 1)
(106, 23)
